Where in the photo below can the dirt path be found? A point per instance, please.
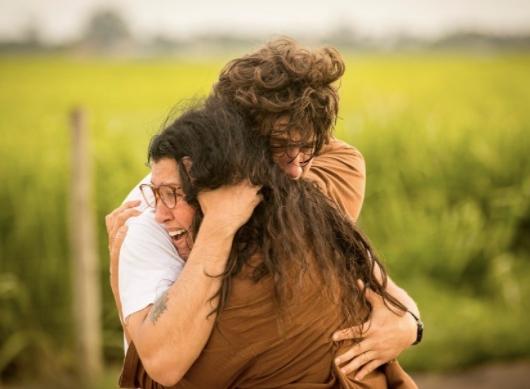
(514, 375)
(494, 376)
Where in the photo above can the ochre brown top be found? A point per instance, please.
(340, 172)
(253, 346)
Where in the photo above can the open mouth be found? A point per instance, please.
(177, 235)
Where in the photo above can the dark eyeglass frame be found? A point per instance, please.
(307, 149)
(155, 192)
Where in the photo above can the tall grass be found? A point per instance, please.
(446, 139)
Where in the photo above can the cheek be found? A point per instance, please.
(184, 214)
(188, 214)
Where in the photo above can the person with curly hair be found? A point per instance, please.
(297, 267)
(288, 95)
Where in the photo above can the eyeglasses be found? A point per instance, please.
(293, 149)
(169, 195)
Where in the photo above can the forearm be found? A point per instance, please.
(171, 334)
(402, 296)
(117, 301)
(116, 294)
(407, 323)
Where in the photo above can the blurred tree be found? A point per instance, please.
(106, 30)
(32, 35)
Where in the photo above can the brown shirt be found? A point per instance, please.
(253, 346)
(340, 172)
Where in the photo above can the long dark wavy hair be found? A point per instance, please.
(285, 80)
(294, 228)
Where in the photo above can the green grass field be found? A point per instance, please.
(447, 144)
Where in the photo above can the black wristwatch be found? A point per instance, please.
(419, 328)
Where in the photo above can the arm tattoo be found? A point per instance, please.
(159, 307)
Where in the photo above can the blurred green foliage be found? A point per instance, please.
(447, 145)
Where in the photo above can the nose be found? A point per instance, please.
(291, 166)
(293, 171)
(162, 213)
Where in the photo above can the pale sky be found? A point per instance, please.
(60, 20)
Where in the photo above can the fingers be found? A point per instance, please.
(367, 369)
(258, 199)
(251, 185)
(119, 216)
(218, 206)
(354, 351)
(120, 219)
(130, 204)
(115, 249)
(370, 295)
(118, 240)
(357, 332)
(360, 284)
(125, 205)
(253, 190)
(361, 360)
(348, 333)
(373, 298)
(109, 219)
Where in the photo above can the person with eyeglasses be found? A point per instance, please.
(295, 106)
(295, 271)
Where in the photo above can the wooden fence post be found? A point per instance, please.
(86, 289)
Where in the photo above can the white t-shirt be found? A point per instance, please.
(149, 263)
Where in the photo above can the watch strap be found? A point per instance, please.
(419, 328)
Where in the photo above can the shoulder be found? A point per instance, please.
(340, 172)
(338, 155)
(145, 234)
(148, 264)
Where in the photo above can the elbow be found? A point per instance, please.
(162, 359)
(168, 380)
(163, 371)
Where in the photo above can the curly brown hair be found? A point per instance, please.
(283, 80)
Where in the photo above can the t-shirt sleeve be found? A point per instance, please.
(149, 263)
(340, 172)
